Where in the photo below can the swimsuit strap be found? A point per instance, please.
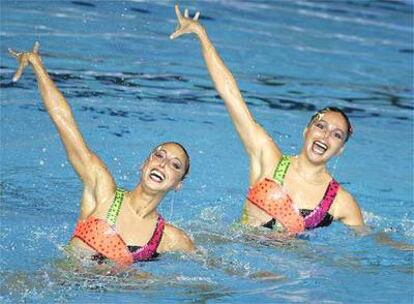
(113, 211)
(317, 215)
(281, 169)
(147, 251)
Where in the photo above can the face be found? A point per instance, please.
(325, 137)
(164, 168)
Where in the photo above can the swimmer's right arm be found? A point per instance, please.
(254, 137)
(87, 165)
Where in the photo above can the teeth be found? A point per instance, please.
(157, 176)
(319, 147)
(323, 146)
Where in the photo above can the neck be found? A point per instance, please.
(310, 172)
(144, 201)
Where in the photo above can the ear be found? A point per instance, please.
(304, 132)
(141, 167)
(179, 186)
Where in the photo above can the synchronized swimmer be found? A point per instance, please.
(114, 224)
(290, 193)
(282, 185)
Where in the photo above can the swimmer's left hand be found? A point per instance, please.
(24, 59)
(186, 24)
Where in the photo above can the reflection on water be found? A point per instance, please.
(119, 86)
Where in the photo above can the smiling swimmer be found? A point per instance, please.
(296, 192)
(114, 224)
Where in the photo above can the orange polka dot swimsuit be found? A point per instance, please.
(269, 196)
(101, 235)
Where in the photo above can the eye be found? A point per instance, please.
(320, 125)
(176, 165)
(159, 154)
(338, 135)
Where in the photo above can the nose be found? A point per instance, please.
(164, 162)
(326, 133)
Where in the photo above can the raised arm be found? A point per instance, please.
(253, 136)
(86, 164)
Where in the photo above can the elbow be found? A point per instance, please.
(227, 89)
(60, 116)
(230, 88)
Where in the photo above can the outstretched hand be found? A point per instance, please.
(23, 58)
(186, 24)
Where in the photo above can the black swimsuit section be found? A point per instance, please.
(327, 220)
(100, 258)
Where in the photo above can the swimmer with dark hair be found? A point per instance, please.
(115, 226)
(291, 193)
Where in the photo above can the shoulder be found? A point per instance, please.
(264, 161)
(175, 239)
(103, 186)
(347, 209)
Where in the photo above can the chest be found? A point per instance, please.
(134, 230)
(305, 195)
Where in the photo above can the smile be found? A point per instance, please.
(319, 147)
(157, 176)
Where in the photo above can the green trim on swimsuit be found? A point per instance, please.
(113, 211)
(281, 169)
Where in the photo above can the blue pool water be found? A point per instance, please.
(131, 88)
